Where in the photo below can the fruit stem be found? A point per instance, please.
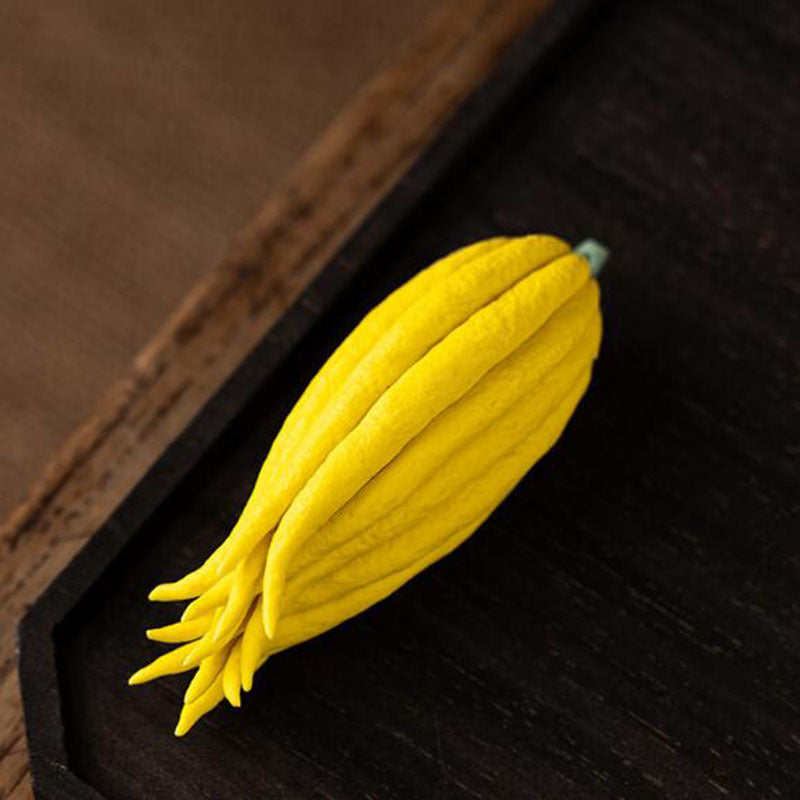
(595, 253)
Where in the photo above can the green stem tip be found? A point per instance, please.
(595, 253)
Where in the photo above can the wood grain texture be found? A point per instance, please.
(361, 155)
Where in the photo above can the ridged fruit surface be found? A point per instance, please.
(411, 434)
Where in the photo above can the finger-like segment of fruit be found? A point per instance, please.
(446, 305)
(232, 675)
(216, 596)
(170, 663)
(313, 401)
(181, 631)
(455, 439)
(327, 382)
(207, 645)
(210, 641)
(406, 534)
(254, 645)
(202, 705)
(346, 358)
(435, 381)
(450, 493)
(246, 584)
(209, 669)
(299, 627)
(302, 625)
(318, 393)
(193, 583)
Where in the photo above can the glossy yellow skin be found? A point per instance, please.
(409, 436)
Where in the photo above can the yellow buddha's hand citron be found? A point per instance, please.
(410, 435)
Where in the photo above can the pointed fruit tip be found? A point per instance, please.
(159, 593)
(137, 678)
(186, 722)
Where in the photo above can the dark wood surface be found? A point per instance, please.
(626, 624)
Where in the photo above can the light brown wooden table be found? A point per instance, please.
(360, 156)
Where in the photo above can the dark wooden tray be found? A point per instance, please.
(626, 624)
